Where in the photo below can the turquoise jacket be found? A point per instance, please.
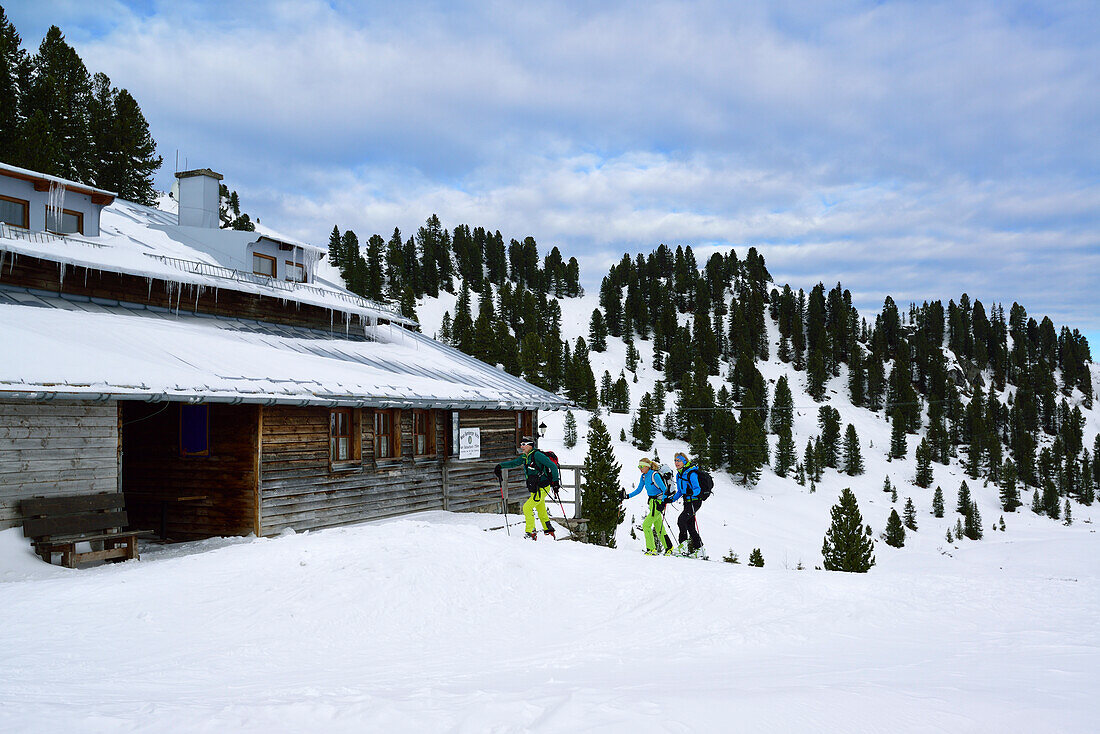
(687, 483)
(652, 483)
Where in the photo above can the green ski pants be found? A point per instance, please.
(537, 501)
(653, 525)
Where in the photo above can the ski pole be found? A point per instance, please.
(504, 504)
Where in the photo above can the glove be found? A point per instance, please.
(622, 494)
(555, 487)
(497, 472)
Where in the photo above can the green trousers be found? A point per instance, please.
(537, 501)
(653, 525)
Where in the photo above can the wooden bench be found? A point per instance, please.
(57, 524)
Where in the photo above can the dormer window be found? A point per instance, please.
(263, 265)
(295, 272)
(70, 222)
(16, 212)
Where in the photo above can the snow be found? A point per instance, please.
(146, 353)
(145, 241)
(428, 623)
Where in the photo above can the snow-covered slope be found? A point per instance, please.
(785, 520)
(427, 623)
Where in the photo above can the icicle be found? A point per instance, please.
(62, 281)
(55, 205)
(150, 282)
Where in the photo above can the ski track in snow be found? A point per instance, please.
(427, 623)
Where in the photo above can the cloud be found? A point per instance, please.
(916, 149)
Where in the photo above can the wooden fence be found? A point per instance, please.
(470, 486)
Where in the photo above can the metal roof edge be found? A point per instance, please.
(43, 394)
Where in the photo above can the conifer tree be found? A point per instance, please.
(853, 460)
(962, 506)
(895, 531)
(752, 447)
(698, 445)
(924, 465)
(782, 413)
(15, 69)
(408, 304)
(570, 438)
(785, 453)
(886, 485)
(446, 329)
(846, 546)
(1067, 514)
(973, 525)
(937, 503)
(463, 328)
(950, 538)
(1010, 495)
(829, 419)
(335, 248)
(898, 449)
(756, 558)
(597, 332)
(910, 514)
(600, 498)
(60, 89)
(131, 159)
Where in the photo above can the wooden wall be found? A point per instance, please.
(154, 473)
(32, 272)
(56, 448)
(299, 489)
(471, 483)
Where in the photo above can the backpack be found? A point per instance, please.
(706, 483)
(543, 474)
(670, 483)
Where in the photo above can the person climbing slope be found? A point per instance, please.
(688, 487)
(542, 479)
(653, 525)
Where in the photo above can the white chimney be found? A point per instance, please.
(199, 198)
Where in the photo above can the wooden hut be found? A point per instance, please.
(150, 360)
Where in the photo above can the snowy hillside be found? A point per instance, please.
(429, 624)
(785, 520)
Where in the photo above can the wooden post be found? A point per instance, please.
(258, 468)
(446, 489)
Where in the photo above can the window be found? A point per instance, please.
(194, 430)
(343, 435)
(523, 426)
(453, 449)
(15, 212)
(71, 222)
(295, 272)
(387, 438)
(263, 265)
(423, 433)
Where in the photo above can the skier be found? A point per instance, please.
(542, 478)
(654, 485)
(687, 486)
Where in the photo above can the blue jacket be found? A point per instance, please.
(687, 484)
(652, 483)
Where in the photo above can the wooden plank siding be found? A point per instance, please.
(154, 475)
(471, 483)
(301, 490)
(53, 449)
(31, 272)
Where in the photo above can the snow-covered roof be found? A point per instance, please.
(75, 347)
(74, 186)
(148, 242)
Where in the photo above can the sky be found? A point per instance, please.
(913, 149)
